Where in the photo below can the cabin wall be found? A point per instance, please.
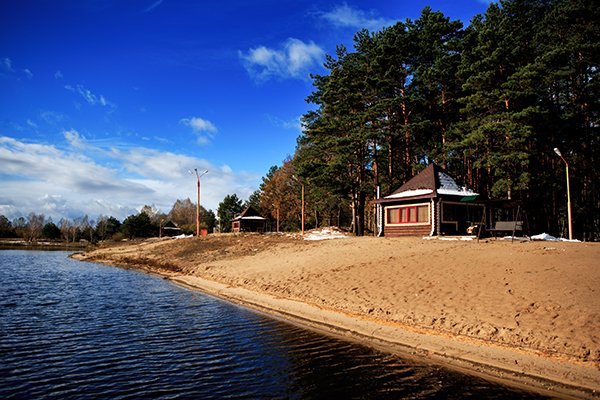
(419, 224)
(396, 231)
(448, 216)
(250, 226)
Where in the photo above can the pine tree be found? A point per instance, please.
(230, 207)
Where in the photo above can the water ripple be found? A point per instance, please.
(70, 329)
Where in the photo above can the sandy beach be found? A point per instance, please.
(527, 313)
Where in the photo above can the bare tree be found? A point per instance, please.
(65, 227)
(152, 212)
(183, 212)
(35, 224)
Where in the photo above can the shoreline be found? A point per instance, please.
(246, 280)
(519, 369)
(42, 245)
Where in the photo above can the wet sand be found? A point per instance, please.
(527, 313)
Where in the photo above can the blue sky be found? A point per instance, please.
(105, 105)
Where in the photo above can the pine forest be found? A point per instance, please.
(488, 102)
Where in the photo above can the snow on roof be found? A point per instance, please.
(409, 193)
(432, 179)
(449, 186)
(249, 213)
(458, 192)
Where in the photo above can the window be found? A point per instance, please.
(412, 214)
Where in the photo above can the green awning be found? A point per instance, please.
(469, 198)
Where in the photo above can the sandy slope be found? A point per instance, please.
(540, 298)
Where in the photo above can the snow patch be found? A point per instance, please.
(182, 236)
(545, 236)
(325, 233)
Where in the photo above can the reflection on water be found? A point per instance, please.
(70, 329)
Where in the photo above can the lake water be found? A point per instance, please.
(71, 329)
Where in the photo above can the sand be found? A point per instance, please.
(526, 312)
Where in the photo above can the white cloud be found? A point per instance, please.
(13, 125)
(152, 6)
(162, 140)
(70, 184)
(73, 171)
(198, 126)
(291, 124)
(91, 98)
(51, 117)
(6, 64)
(294, 60)
(346, 16)
(31, 123)
(58, 74)
(55, 204)
(74, 139)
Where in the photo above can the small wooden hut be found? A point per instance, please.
(170, 229)
(249, 221)
(429, 204)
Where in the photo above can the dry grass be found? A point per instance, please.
(181, 255)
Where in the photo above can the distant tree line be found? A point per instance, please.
(145, 224)
(142, 225)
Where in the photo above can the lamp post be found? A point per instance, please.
(298, 180)
(302, 207)
(277, 207)
(195, 173)
(557, 151)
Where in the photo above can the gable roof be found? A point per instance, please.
(431, 182)
(249, 214)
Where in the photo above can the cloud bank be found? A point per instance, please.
(345, 16)
(294, 60)
(67, 183)
(204, 129)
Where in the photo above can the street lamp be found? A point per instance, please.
(298, 180)
(277, 217)
(557, 151)
(302, 207)
(195, 173)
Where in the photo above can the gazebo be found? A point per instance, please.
(248, 221)
(170, 229)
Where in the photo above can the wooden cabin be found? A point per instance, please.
(429, 204)
(170, 229)
(249, 221)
